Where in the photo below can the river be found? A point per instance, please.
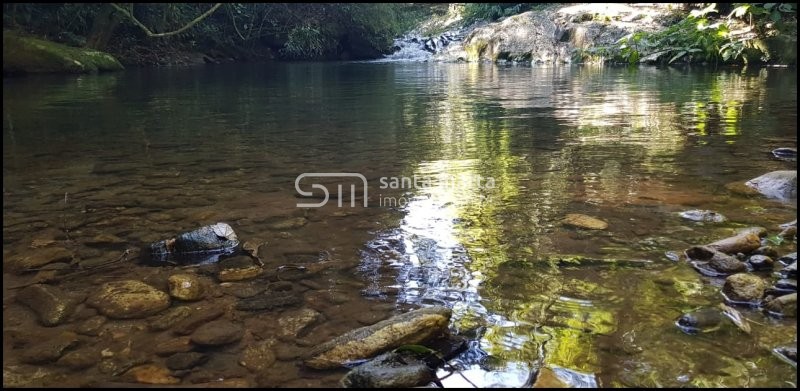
(93, 165)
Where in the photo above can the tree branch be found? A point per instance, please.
(151, 34)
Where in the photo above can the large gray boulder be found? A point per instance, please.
(776, 184)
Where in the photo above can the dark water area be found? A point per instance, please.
(95, 165)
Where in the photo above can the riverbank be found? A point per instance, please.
(635, 33)
(632, 33)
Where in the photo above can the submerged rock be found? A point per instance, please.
(776, 184)
(186, 287)
(51, 304)
(546, 378)
(259, 356)
(151, 374)
(38, 257)
(269, 300)
(292, 324)
(198, 318)
(240, 274)
(744, 288)
(785, 306)
(186, 360)
(174, 345)
(92, 326)
(708, 216)
(288, 224)
(79, 359)
(218, 332)
(558, 377)
(169, 318)
(701, 321)
(390, 370)
(128, 299)
(711, 262)
(49, 350)
(406, 329)
(584, 221)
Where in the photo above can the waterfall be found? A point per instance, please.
(415, 48)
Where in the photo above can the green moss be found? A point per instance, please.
(31, 55)
(475, 49)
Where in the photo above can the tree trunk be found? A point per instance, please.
(105, 23)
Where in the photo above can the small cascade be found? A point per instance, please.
(413, 47)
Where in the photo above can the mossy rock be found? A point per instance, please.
(475, 49)
(31, 55)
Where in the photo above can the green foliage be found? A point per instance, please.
(305, 42)
(492, 11)
(705, 36)
(291, 30)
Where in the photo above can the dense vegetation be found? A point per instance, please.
(179, 33)
(162, 33)
(728, 33)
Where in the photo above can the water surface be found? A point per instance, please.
(145, 154)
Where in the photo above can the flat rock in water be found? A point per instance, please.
(406, 329)
(38, 257)
(169, 318)
(151, 374)
(708, 216)
(218, 332)
(128, 299)
(92, 326)
(259, 356)
(288, 224)
(186, 287)
(174, 345)
(49, 350)
(776, 184)
(240, 274)
(79, 359)
(50, 303)
(390, 370)
(584, 221)
(199, 316)
(293, 323)
(269, 300)
(186, 360)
